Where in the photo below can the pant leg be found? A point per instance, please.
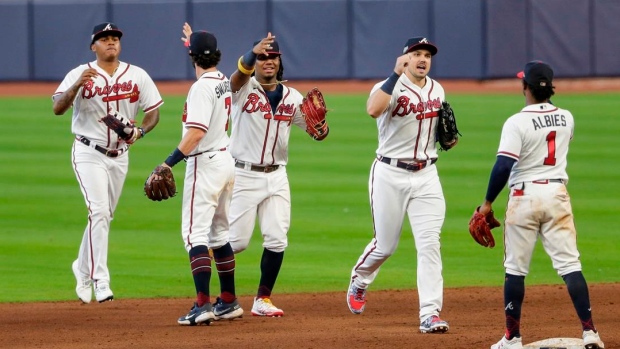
(426, 212)
(521, 228)
(205, 181)
(274, 212)
(389, 190)
(557, 232)
(101, 181)
(220, 226)
(248, 192)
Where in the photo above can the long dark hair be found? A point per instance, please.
(540, 93)
(206, 61)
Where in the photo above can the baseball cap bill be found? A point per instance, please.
(202, 42)
(536, 73)
(105, 29)
(420, 43)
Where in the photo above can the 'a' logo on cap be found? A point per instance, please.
(107, 27)
(424, 40)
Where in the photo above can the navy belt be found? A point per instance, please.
(251, 167)
(111, 153)
(415, 166)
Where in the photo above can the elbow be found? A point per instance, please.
(58, 111)
(374, 113)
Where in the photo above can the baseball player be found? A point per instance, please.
(532, 159)
(263, 111)
(404, 179)
(209, 179)
(100, 158)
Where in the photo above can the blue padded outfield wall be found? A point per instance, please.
(320, 39)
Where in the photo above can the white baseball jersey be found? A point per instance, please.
(127, 91)
(208, 107)
(407, 132)
(538, 138)
(407, 127)
(209, 174)
(539, 206)
(100, 177)
(260, 136)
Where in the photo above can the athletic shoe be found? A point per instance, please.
(264, 307)
(356, 299)
(198, 315)
(228, 311)
(591, 340)
(514, 343)
(433, 324)
(84, 288)
(103, 292)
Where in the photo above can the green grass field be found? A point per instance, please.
(43, 215)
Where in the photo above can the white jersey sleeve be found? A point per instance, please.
(538, 138)
(208, 107)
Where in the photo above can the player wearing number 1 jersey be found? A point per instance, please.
(532, 159)
(209, 179)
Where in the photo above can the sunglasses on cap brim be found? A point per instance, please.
(266, 57)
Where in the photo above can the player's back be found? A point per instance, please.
(544, 132)
(208, 107)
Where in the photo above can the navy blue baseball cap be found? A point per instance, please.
(420, 43)
(537, 73)
(104, 29)
(202, 42)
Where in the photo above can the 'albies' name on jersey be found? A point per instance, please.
(548, 120)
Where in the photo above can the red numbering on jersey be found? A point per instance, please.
(550, 159)
(227, 105)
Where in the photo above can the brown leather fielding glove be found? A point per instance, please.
(314, 110)
(160, 185)
(480, 228)
(122, 126)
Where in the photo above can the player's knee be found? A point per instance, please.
(239, 246)
(275, 246)
(97, 212)
(568, 269)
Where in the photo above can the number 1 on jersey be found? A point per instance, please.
(550, 159)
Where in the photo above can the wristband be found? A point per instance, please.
(249, 58)
(242, 68)
(388, 85)
(142, 133)
(175, 158)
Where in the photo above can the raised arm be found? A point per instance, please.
(65, 100)
(380, 99)
(245, 65)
